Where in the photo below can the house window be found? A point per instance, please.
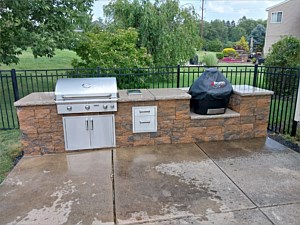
(276, 17)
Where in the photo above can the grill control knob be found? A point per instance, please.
(87, 107)
(112, 106)
(104, 106)
(69, 108)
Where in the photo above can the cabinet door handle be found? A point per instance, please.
(144, 111)
(92, 124)
(86, 124)
(141, 121)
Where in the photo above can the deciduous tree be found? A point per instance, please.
(169, 33)
(107, 49)
(42, 25)
(285, 53)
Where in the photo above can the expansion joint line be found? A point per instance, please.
(256, 206)
(113, 186)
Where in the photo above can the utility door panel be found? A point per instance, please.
(87, 132)
(102, 131)
(77, 133)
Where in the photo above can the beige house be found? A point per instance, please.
(283, 20)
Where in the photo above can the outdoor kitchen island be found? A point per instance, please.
(156, 116)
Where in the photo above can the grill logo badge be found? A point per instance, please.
(216, 84)
(86, 85)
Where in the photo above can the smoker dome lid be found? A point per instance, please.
(204, 86)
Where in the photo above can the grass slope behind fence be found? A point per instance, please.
(61, 60)
(9, 149)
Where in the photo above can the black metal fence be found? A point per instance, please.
(15, 84)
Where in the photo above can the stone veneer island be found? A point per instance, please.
(247, 117)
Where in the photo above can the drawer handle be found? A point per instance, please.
(141, 121)
(144, 111)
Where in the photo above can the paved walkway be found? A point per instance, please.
(253, 181)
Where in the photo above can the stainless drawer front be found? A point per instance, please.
(144, 119)
(145, 111)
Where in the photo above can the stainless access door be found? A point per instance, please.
(103, 131)
(77, 133)
(88, 132)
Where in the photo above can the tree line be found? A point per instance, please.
(219, 34)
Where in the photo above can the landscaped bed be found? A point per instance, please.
(10, 151)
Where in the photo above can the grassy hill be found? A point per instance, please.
(61, 60)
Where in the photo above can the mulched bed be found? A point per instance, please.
(284, 142)
(18, 158)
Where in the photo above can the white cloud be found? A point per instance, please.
(243, 12)
(219, 7)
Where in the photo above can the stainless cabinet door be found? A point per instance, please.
(102, 131)
(77, 133)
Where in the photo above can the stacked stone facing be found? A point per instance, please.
(247, 117)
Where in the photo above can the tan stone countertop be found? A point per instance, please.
(37, 98)
(144, 96)
(244, 90)
(247, 90)
(48, 98)
(169, 93)
(153, 94)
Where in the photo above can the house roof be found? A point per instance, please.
(281, 3)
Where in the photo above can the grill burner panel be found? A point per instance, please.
(83, 95)
(86, 107)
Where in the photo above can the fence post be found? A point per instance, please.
(15, 84)
(297, 109)
(294, 128)
(98, 71)
(178, 75)
(255, 74)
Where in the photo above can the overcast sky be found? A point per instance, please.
(217, 9)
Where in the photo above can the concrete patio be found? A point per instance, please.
(254, 181)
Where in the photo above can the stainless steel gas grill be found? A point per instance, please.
(88, 96)
(79, 95)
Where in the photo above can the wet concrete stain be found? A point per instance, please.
(57, 213)
(171, 181)
(189, 173)
(59, 189)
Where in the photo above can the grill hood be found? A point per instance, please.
(85, 88)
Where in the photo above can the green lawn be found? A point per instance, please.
(10, 148)
(61, 60)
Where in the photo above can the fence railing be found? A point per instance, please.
(15, 84)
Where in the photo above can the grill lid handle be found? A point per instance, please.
(85, 96)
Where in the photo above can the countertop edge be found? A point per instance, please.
(248, 90)
(36, 99)
(48, 98)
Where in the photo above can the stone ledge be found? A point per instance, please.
(37, 98)
(144, 96)
(244, 90)
(169, 94)
(228, 114)
(247, 90)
